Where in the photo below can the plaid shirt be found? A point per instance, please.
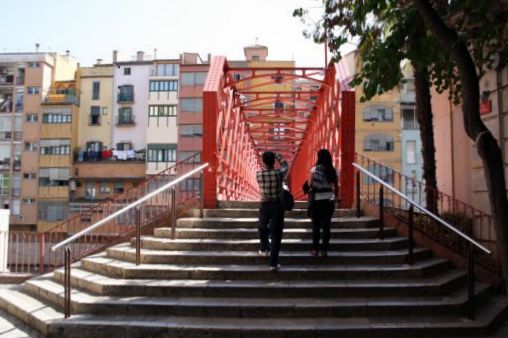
(270, 181)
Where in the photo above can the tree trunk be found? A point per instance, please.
(424, 114)
(488, 149)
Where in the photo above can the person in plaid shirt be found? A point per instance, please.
(271, 210)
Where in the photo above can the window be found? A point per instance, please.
(94, 146)
(96, 88)
(56, 116)
(95, 116)
(192, 105)
(90, 190)
(4, 183)
(411, 152)
(55, 147)
(191, 130)
(191, 184)
(237, 76)
(127, 71)
(278, 105)
(163, 85)
(255, 57)
(118, 188)
(29, 176)
(28, 200)
(34, 65)
(166, 110)
(378, 113)
(124, 146)
(53, 177)
(167, 69)
(184, 155)
(33, 90)
(378, 142)
(125, 116)
(30, 146)
(52, 211)
(104, 188)
(32, 118)
(409, 119)
(126, 93)
(20, 95)
(194, 78)
(161, 153)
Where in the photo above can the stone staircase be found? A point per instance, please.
(210, 282)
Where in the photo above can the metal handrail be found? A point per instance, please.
(424, 210)
(128, 207)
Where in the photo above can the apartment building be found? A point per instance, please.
(161, 131)
(25, 80)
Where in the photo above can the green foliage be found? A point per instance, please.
(391, 31)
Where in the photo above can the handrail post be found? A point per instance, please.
(173, 213)
(41, 253)
(358, 207)
(410, 257)
(202, 194)
(381, 213)
(138, 234)
(67, 282)
(470, 283)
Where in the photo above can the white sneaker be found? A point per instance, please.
(265, 253)
(275, 268)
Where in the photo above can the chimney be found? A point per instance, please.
(140, 56)
(99, 61)
(67, 52)
(115, 56)
(155, 53)
(37, 45)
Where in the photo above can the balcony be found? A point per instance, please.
(5, 135)
(6, 80)
(16, 165)
(4, 191)
(6, 106)
(125, 120)
(61, 99)
(125, 97)
(5, 164)
(94, 120)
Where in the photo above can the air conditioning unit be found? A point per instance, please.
(20, 217)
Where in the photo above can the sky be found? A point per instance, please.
(92, 29)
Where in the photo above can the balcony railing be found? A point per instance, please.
(5, 164)
(125, 120)
(6, 106)
(61, 98)
(5, 135)
(125, 97)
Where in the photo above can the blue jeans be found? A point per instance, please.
(271, 213)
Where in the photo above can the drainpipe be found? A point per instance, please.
(451, 149)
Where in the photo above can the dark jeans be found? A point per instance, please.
(271, 213)
(321, 214)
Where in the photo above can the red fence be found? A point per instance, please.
(30, 252)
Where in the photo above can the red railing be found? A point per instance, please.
(249, 110)
(29, 252)
(469, 220)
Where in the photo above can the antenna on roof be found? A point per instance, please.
(257, 40)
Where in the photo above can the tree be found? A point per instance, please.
(485, 25)
(473, 33)
(388, 34)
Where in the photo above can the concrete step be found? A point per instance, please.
(128, 253)
(32, 311)
(245, 222)
(251, 233)
(253, 204)
(83, 302)
(156, 243)
(121, 269)
(432, 286)
(295, 213)
(168, 326)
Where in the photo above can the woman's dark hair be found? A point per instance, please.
(269, 159)
(325, 159)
